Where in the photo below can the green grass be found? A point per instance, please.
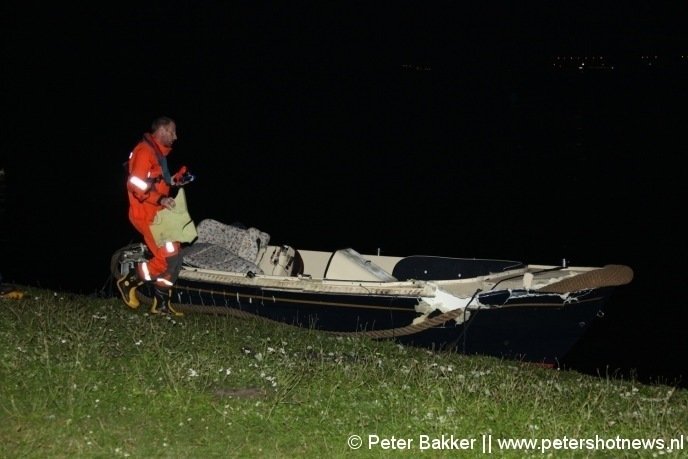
(86, 377)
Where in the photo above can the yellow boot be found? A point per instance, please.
(127, 286)
(162, 303)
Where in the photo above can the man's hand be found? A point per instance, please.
(182, 177)
(168, 203)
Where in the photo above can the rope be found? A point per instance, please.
(374, 334)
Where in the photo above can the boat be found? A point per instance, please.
(502, 308)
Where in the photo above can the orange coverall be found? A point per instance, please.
(146, 186)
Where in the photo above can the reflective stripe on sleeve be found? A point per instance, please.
(138, 183)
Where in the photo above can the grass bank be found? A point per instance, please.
(86, 377)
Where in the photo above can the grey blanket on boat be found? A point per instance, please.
(225, 247)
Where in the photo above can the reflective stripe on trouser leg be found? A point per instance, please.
(162, 283)
(144, 271)
(168, 278)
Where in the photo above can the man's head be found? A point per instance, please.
(164, 130)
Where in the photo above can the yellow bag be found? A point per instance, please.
(174, 224)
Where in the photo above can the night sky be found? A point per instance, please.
(413, 127)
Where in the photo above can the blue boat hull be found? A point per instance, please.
(534, 327)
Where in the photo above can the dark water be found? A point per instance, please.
(530, 165)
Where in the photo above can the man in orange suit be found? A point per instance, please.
(148, 185)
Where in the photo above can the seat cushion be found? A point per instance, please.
(211, 256)
(244, 242)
